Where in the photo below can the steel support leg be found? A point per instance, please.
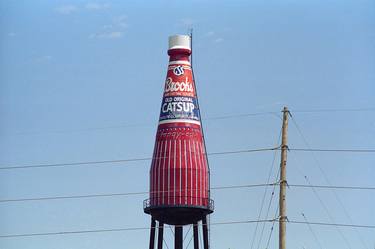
(195, 235)
(152, 234)
(160, 235)
(205, 232)
(178, 237)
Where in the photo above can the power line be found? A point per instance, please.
(186, 234)
(244, 186)
(124, 194)
(242, 151)
(127, 160)
(74, 163)
(72, 197)
(264, 195)
(254, 114)
(114, 229)
(191, 238)
(165, 243)
(243, 115)
(144, 124)
(312, 231)
(129, 125)
(334, 150)
(272, 195)
(333, 224)
(268, 209)
(147, 228)
(331, 187)
(213, 188)
(328, 182)
(273, 225)
(331, 218)
(367, 109)
(49, 165)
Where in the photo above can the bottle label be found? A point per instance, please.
(179, 102)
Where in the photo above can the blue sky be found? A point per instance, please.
(83, 81)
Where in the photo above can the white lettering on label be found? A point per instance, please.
(174, 86)
(177, 107)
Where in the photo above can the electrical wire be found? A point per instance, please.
(147, 228)
(208, 154)
(48, 165)
(171, 230)
(331, 187)
(126, 194)
(147, 192)
(367, 109)
(73, 197)
(312, 231)
(334, 150)
(143, 124)
(114, 229)
(126, 160)
(326, 179)
(333, 224)
(264, 194)
(187, 232)
(268, 209)
(165, 243)
(191, 238)
(273, 224)
(122, 194)
(328, 213)
(242, 115)
(325, 208)
(129, 125)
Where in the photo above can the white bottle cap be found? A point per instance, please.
(179, 42)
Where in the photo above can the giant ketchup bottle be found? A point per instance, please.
(179, 175)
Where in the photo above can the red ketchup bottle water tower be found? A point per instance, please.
(179, 174)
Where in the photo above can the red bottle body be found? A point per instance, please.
(179, 171)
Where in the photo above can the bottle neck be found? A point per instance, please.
(180, 54)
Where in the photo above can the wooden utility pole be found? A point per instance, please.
(283, 182)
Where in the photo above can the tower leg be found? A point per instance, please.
(205, 232)
(152, 234)
(160, 235)
(195, 235)
(178, 237)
